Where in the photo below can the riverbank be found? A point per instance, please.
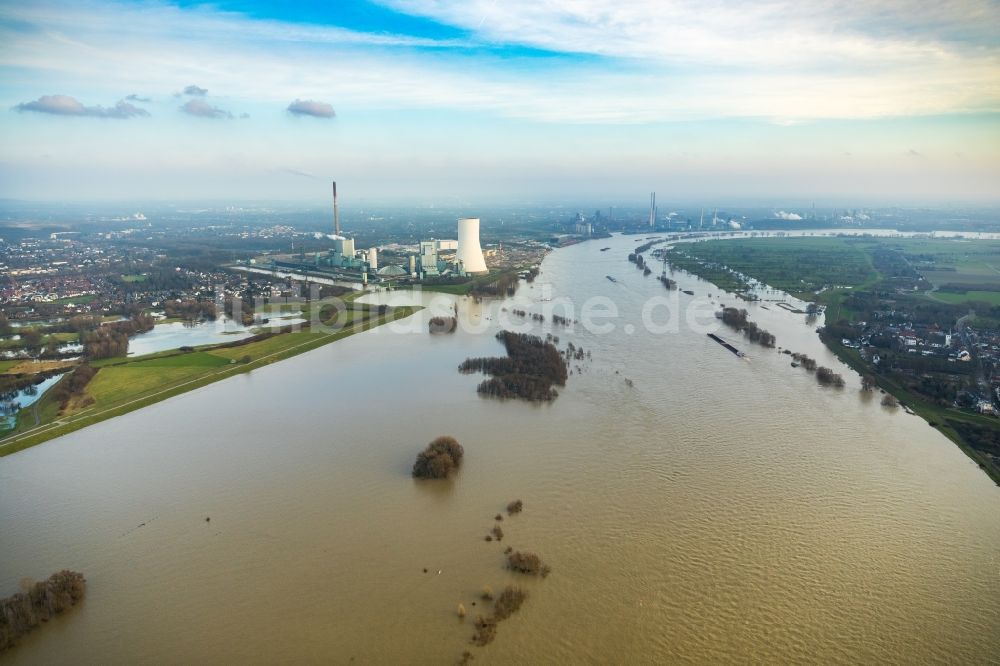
(124, 385)
(936, 417)
(871, 290)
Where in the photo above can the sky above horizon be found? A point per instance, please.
(874, 102)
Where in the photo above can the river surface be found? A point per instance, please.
(716, 510)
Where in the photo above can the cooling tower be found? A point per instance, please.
(469, 252)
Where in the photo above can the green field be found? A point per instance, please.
(948, 260)
(779, 262)
(122, 385)
(133, 278)
(991, 297)
(76, 300)
(193, 359)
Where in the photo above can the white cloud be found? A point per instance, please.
(306, 107)
(787, 33)
(64, 105)
(199, 107)
(780, 61)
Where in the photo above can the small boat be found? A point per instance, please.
(688, 292)
(795, 364)
(611, 278)
(605, 249)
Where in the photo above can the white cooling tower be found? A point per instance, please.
(469, 252)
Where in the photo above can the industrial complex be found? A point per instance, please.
(434, 258)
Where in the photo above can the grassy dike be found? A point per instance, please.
(131, 384)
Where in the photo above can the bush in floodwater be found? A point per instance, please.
(442, 324)
(498, 532)
(508, 602)
(486, 630)
(527, 563)
(827, 376)
(439, 459)
(889, 400)
(515, 507)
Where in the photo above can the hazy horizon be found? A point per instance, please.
(430, 100)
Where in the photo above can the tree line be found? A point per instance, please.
(22, 612)
(111, 340)
(73, 384)
(737, 319)
(825, 375)
(505, 284)
(191, 310)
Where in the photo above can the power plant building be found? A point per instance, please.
(344, 247)
(429, 258)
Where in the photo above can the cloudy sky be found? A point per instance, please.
(701, 100)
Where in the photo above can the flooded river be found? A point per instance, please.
(715, 510)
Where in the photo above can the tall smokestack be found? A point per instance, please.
(336, 211)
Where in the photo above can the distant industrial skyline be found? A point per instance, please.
(890, 102)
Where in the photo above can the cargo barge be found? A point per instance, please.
(726, 345)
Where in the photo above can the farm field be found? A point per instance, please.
(779, 262)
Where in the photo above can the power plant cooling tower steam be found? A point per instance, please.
(469, 251)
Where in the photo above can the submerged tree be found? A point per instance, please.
(442, 324)
(529, 371)
(527, 563)
(827, 376)
(24, 611)
(439, 459)
(737, 319)
(507, 603)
